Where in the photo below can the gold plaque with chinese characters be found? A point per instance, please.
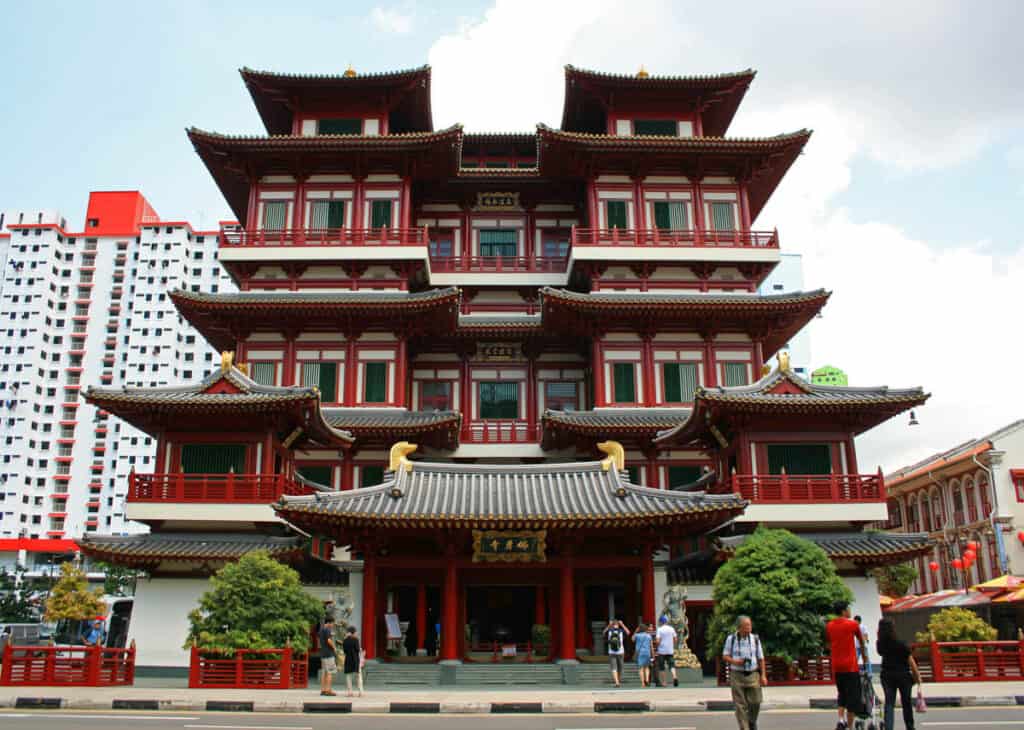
(497, 201)
(498, 351)
(499, 546)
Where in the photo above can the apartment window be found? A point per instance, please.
(624, 382)
(680, 381)
(561, 396)
(375, 382)
(670, 216)
(327, 214)
(615, 213)
(213, 458)
(435, 396)
(323, 375)
(499, 400)
(680, 475)
(371, 476)
(264, 373)
(799, 458)
(339, 126)
(274, 212)
(655, 127)
(498, 242)
(735, 373)
(723, 216)
(380, 214)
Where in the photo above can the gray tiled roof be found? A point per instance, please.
(356, 419)
(499, 321)
(367, 297)
(696, 299)
(187, 546)
(534, 494)
(858, 546)
(194, 393)
(643, 419)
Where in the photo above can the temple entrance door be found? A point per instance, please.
(501, 614)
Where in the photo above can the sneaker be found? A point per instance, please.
(840, 725)
(675, 682)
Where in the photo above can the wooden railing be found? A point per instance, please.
(685, 238)
(970, 661)
(806, 488)
(69, 666)
(238, 488)
(325, 237)
(498, 264)
(247, 669)
(500, 432)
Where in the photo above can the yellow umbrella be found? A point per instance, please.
(1011, 597)
(885, 601)
(1002, 583)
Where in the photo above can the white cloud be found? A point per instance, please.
(911, 86)
(391, 20)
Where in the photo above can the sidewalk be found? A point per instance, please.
(471, 700)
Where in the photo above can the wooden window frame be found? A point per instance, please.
(1017, 477)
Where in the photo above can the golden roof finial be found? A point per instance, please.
(226, 359)
(350, 72)
(784, 361)
(642, 73)
(616, 455)
(399, 456)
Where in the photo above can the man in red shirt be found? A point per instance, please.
(841, 632)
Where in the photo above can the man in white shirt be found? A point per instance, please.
(747, 673)
(666, 639)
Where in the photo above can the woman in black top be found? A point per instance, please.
(353, 660)
(899, 673)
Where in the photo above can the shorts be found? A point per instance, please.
(329, 665)
(615, 661)
(666, 661)
(848, 686)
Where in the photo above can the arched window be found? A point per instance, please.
(985, 495)
(959, 516)
(895, 515)
(924, 513)
(972, 505)
(938, 519)
(912, 521)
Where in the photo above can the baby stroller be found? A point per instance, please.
(871, 705)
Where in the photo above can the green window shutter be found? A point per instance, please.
(680, 381)
(661, 217)
(673, 393)
(322, 475)
(498, 242)
(526, 164)
(371, 476)
(263, 372)
(335, 213)
(799, 458)
(380, 214)
(680, 476)
(274, 212)
(339, 126)
(322, 375)
(625, 382)
(660, 127)
(634, 474)
(375, 382)
(496, 164)
(499, 400)
(735, 373)
(471, 164)
(722, 217)
(615, 213)
(561, 396)
(213, 458)
(677, 216)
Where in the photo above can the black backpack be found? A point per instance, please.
(614, 640)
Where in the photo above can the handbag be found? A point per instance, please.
(919, 704)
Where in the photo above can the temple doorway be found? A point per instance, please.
(499, 614)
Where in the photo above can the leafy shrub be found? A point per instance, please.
(71, 597)
(957, 624)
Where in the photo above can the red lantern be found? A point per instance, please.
(1020, 536)
(972, 546)
(970, 555)
(958, 563)
(933, 567)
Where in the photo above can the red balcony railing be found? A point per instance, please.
(498, 264)
(500, 432)
(325, 237)
(238, 488)
(689, 238)
(805, 488)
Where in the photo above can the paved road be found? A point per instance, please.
(997, 718)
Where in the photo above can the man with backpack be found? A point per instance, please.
(615, 639)
(747, 674)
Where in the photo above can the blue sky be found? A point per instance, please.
(904, 202)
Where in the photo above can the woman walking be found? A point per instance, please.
(642, 648)
(353, 660)
(899, 673)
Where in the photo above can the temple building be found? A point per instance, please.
(490, 382)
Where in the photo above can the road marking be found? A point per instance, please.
(979, 723)
(688, 727)
(249, 727)
(64, 715)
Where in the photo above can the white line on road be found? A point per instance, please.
(249, 727)
(688, 727)
(979, 723)
(66, 716)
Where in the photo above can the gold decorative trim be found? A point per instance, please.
(616, 455)
(226, 359)
(399, 456)
(534, 540)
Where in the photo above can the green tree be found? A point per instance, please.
(119, 580)
(71, 598)
(16, 605)
(786, 584)
(957, 624)
(894, 580)
(256, 603)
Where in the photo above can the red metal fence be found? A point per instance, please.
(247, 669)
(800, 488)
(495, 431)
(685, 238)
(811, 671)
(325, 237)
(77, 666)
(241, 488)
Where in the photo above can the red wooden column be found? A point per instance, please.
(531, 391)
(288, 366)
(421, 616)
(450, 608)
(351, 369)
(647, 366)
(647, 603)
(710, 366)
(370, 603)
(566, 631)
(401, 370)
(597, 366)
(299, 206)
(348, 471)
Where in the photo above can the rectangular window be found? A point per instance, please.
(499, 400)
(380, 214)
(375, 382)
(441, 244)
(327, 214)
(722, 218)
(339, 126)
(213, 458)
(555, 245)
(615, 213)
(634, 474)
(652, 127)
(799, 458)
(680, 476)
(561, 396)
(670, 216)
(322, 375)
(624, 381)
(435, 396)
(264, 373)
(680, 381)
(500, 242)
(735, 373)
(1017, 475)
(322, 475)
(274, 212)
(371, 476)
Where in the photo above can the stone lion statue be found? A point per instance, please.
(674, 608)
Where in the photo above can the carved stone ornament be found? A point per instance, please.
(674, 600)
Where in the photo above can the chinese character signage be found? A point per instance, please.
(497, 201)
(492, 351)
(509, 547)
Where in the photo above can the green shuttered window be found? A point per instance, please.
(499, 400)
(680, 476)
(339, 126)
(680, 381)
(670, 216)
(624, 382)
(264, 373)
(662, 127)
(370, 476)
(327, 214)
(380, 214)
(274, 212)
(213, 458)
(375, 382)
(800, 458)
(615, 213)
(634, 474)
(498, 242)
(322, 475)
(735, 373)
(722, 217)
(322, 375)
